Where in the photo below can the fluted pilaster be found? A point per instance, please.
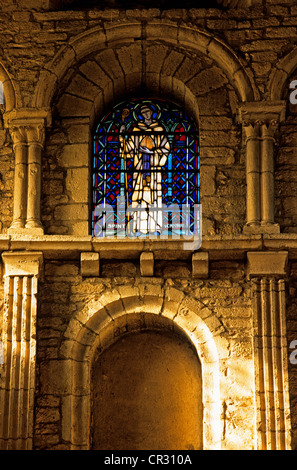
(17, 387)
(267, 272)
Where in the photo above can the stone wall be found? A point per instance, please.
(62, 70)
(261, 38)
(226, 308)
(6, 179)
(165, 71)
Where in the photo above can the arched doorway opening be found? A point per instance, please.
(147, 394)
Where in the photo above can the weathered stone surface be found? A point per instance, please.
(200, 265)
(147, 264)
(90, 264)
(69, 68)
(267, 264)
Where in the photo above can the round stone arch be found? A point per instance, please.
(93, 89)
(101, 76)
(185, 37)
(280, 75)
(131, 309)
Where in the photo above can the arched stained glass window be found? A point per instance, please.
(145, 171)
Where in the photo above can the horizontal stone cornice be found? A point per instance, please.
(219, 248)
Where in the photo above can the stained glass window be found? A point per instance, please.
(1, 94)
(145, 171)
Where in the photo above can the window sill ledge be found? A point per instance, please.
(218, 247)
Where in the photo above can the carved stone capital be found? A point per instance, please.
(18, 135)
(268, 129)
(251, 129)
(267, 113)
(36, 133)
(22, 263)
(27, 132)
(27, 125)
(267, 264)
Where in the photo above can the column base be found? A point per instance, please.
(17, 224)
(33, 223)
(261, 228)
(23, 231)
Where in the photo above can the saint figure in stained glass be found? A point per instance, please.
(148, 147)
(145, 171)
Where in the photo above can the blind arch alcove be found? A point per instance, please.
(147, 394)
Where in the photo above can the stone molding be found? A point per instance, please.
(218, 248)
(239, 3)
(281, 73)
(11, 90)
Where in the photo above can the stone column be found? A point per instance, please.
(18, 134)
(268, 131)
(17, 386)
(27, 128)
(267, 271)
(260, 122)
(35, 146)
(253, 154)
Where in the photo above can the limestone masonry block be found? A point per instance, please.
(90, 264)
(200, 265)
(147, 264)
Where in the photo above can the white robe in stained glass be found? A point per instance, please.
(1, 94)
(148, 147)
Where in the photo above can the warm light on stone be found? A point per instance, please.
(148, 342)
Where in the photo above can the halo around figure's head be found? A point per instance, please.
(146, 105)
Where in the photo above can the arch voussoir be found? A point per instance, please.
(168, 34)
(280, 75)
